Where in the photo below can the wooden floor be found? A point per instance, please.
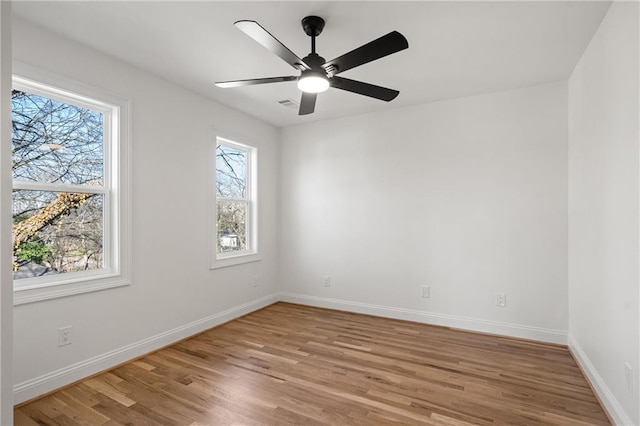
(290, 364)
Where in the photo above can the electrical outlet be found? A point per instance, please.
(501, 300)
(256, 280)
(327, 281)
(426, 291)
(65, 335)
(628, 377)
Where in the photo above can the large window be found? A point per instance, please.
(67, 201)
(235, 200)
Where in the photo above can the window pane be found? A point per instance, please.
(231, 172)
(55, 142)
(231, 226)
(56, 232)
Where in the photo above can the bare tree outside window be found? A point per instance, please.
(232, 198)
(56, 143)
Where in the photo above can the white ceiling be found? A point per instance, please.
(455, 48)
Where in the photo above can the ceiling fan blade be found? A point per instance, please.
(378, 48)
(307, 103)
(239, 83)
(365, 89)
(262, 36)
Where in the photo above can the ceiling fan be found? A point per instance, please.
(317, 75)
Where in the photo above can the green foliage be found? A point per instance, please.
(33, 251)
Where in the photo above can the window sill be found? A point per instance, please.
(239, 259)
(31, 295)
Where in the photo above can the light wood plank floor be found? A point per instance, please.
(291, 364)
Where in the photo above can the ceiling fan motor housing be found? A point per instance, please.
(314, 61)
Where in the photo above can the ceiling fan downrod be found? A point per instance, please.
(313, 26)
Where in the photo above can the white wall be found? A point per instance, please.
(603, 209)
(6, 291)
(468, 196)
(172, 284)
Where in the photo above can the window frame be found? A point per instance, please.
(251, 254)
(115, 189)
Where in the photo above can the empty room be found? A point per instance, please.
(319, 213)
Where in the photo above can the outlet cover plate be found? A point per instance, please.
(65, 336)
(426, 291)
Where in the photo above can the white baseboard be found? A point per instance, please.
(51, 381)
(56, 379)
(611, 404)
(465, 323)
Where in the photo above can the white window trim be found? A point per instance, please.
(217, 260)
(117, 203)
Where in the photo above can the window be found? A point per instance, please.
(235, 235)
(68, 219)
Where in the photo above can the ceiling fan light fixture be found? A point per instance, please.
(313, 82)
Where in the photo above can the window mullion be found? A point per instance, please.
(232, 199)
(55, 187)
